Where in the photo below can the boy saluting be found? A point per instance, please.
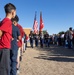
(5, 39)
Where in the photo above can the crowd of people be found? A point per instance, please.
(65, 39)
(12, 46)
(39, 39)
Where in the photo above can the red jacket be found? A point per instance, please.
(22, 34)
(73, 35)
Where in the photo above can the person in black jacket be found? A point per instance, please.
(31, 38)
(47, 39)
(36, 40)
(41, 35)
(25, 42)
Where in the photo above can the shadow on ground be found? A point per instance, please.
(55, 53)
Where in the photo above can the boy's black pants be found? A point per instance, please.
(4, 62)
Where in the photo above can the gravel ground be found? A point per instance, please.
(47, 61)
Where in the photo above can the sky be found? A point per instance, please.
(58, 15)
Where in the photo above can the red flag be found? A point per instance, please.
(35, 25)
(41, 22)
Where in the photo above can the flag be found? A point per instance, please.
(35, 25)
(41, 22)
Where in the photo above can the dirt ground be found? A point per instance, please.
(48, 61)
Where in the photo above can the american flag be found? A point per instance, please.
(35, 25)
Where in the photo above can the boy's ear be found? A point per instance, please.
(12, 13)
(13, 22)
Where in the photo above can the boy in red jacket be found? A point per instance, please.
(19, 46)
(5, 39)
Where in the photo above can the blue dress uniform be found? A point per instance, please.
(47, 40)
(14, 49)
(36, 40)
(41, 40)
(31, 39)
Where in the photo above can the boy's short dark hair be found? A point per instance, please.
(70, 28)
(9, 7)
(15, 19)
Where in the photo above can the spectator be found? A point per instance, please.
(14, 46)
(5, 39)
(70, 37)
